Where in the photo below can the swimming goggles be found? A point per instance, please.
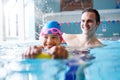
(50, 31)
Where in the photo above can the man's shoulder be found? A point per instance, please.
(70, 35)
(71, 39)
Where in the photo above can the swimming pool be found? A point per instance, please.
(105, 66)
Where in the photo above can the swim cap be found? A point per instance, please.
(51, 27)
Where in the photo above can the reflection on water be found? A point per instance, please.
(13, 67)
(98, 64)
(36, 70)
(106, 65)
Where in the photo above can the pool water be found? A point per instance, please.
(107, 63)
(35, 70)
(105, 66)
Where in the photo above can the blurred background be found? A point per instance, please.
(23, 19)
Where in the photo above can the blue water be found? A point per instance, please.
(107, 63)
(36, 70)
(105, 66)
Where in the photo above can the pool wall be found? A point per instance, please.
(70, 22)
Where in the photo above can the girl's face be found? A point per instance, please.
(50, 40)
(88, 23)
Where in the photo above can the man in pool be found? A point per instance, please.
(90, 21)
(51, 38)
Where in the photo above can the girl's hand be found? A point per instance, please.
(59, 52)
(32, 52)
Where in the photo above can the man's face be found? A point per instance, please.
(88, 23)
